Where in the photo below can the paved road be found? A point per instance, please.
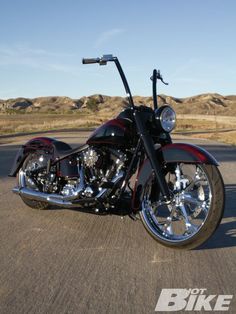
(64, 261)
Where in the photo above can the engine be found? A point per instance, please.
(101, 166)
(98, 170)
(91, 174)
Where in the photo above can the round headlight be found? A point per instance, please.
(166, 118)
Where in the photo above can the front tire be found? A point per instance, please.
(199, 210)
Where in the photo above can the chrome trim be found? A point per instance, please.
(181, 222)
(57, 199)
(53, 199)
(115, 180)
(80, 187)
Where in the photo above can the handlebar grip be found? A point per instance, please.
(90, 60)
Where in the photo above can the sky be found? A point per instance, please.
(42, 44)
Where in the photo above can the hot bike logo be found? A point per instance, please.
(192, 300)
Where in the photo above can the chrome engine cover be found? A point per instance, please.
(68, 190)
(90, 157)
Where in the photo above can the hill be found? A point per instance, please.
(205, 104)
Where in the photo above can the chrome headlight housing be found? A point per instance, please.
(166, 118)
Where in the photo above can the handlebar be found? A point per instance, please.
(102, 61)
(90, 60)
(109, 58)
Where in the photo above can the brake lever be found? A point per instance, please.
(164, 82)
(159, 77)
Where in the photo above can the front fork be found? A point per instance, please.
(151, 154)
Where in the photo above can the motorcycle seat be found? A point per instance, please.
(62, 150)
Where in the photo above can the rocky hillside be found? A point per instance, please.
(206, 104)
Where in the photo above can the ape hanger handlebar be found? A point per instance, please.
(109, 58)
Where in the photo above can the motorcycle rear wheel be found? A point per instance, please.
(193, 215)
(29, 202)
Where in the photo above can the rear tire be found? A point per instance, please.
(30, 203)
(212, 220)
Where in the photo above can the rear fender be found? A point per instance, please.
(37, 143)
(171, 153)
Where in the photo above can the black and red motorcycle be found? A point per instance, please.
(178, 191)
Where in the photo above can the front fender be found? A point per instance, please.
(187, 153)
(37, 143)
(171, 153)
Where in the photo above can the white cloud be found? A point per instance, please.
(107, 36)
(37, 58)
(26, 50)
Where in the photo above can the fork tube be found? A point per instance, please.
(151, 154)
(154, 89)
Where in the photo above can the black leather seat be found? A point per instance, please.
(62, 150)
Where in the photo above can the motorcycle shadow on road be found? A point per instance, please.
(225, 235)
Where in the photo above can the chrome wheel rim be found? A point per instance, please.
(188, 211)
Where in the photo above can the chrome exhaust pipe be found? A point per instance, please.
(47, 198)
(53, 199)
(60, 200)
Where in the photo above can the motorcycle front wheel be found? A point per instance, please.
(195, 210)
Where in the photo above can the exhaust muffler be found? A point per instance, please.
(50, 199)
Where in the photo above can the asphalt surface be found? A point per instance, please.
(64, 261)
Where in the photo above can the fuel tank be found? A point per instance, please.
(118, 132)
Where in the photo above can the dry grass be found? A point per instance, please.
(218, 128)
(210, 126)
(224, 137)
(207, 122)
(41, 122)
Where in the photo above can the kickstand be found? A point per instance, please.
(134, 217)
